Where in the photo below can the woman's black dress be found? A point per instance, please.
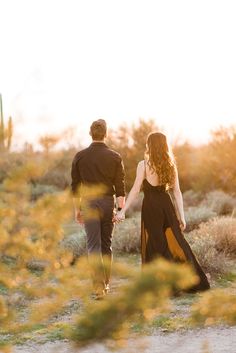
(161, 235)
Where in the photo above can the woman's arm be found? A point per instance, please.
(179, 201)
(140, 173)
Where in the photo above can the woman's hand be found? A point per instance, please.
(120, 216)
(182, 224)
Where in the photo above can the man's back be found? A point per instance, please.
(98, 164)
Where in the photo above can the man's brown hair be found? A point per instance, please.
(98, 129)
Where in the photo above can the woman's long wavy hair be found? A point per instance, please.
(160, 159)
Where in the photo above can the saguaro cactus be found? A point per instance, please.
(9, 132)
(5, 134)
(1, 126)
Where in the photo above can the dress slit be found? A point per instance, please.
(174, 247)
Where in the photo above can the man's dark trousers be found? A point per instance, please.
(99, 237)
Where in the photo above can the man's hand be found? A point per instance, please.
(79, 217)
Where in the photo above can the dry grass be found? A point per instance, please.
(196, 215)
(126, 238)
(211, 260)
(214, 243)
(222, 231)
(135, 207)
(192, 198)
(219, 202)
(76, 243)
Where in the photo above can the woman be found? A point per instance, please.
(161, 226)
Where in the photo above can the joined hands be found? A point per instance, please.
(119, 217)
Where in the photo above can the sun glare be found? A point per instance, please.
(71, 62)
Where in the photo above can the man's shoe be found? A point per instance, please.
(107, 288)
(98, 295)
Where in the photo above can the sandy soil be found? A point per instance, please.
(208, 340)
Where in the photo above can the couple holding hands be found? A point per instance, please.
(162, 224)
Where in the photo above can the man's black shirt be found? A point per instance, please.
(96, 165)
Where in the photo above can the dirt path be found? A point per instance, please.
(209, 340)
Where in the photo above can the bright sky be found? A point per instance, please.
(64, 63)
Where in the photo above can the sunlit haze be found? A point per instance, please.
(65, 63)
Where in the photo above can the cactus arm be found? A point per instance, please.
(1, 125)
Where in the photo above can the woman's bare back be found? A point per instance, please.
(150, 175)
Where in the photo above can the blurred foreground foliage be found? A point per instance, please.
(32, 231)
(216, 307)
(143, 298)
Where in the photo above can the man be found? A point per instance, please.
(100, 169)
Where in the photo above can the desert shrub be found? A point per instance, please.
(73, 243)
(136, 206)
(37, 264)
(215, 307)
(76, 243)
(126, 238)
(39, 190)
(196, 215)
(130, 142)
(223, 231)
(30, 232)
(220, 202)
(214, 243)
(212, 261)
(186, 158)
(192, 198)
(10, 161)
(59, 169)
